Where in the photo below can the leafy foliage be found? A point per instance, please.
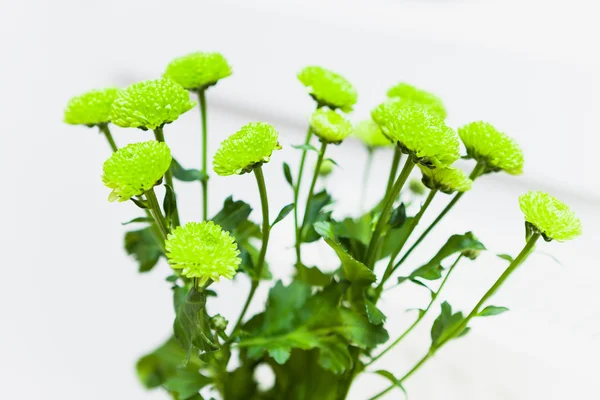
(444, 326)
(144, 247)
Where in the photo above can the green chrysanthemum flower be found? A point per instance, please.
(326, 167)
(328, 88)
(486, 144)
(135, 168)
(550, 216)
(203, 250)
(410, 95)
(91, 108)
(197, 71)
(370, 134)
(251, 146)
(330, 126)
(447, 180)
(150, 104)
(426, 137)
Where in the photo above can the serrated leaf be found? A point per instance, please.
(313, 275)
(232, 214)
(287, 172)
(144, 247)
(305, 147)
(283, 213)
(492, 310)
(374, 314)
(445, 325)
(186, 175)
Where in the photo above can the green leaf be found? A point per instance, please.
(354, 270)
(140, 203)
(392, 378)
(315, 214)
(455, 244)
(143, 246)
(191, 323)
(187, 175)
(287, 172)
(398, 217)
(186, 384)
(169, 203)
(283, 213)
(305, 147)
(232, 214)
(137, 220)
(313, 276)
(506, 257)
(492, 310)
(393, 237)
(445, 325)
(376, 317)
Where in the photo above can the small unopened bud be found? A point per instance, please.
(218, 323)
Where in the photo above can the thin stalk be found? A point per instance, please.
(106, 131)
(434, 297)
(527, 249)
(387, 211)
(313, 183)
(204, 182)
(297, 195)
(394, 169)
(413, 224)
(157, 213)
(266, 230)
(158, 133)
(366, 173)
(477, 171)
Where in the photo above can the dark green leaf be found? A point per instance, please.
(305, 147)
(455, 244)
(395, 381)
(354, 270)
(398, 217)
(232, 214)
(492, 310)
(393, 237)
(140, 203)
(137, 220)
(144, 247)
(186, 383)
(315, 214)
(313, 275)
(445, 325)
(283, 213)
(506, 257)
(169, 203)
(374, 314)
(186, 175)
(287, 172)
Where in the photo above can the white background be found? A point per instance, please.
(74, 313)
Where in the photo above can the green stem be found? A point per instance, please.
(157, 213)
(477, 172)
(106, 131)
(266, 230)
(313, 184)
(421, 316)
(413, 224)
(297, 195)
(204, 182)
(527, 249)
(159, 134)
(387, 211)
(366, 173)
(393, 170)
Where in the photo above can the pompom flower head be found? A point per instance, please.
(328, 88)
(135, 168)
(370, 134)
(412, 96)
(496, 150)
(417, 132)
(553, 218)
(198, 71)
(246, 149)
(330, 126)
(150, 104)
(447, 180)
(202, 250)
(91, 108)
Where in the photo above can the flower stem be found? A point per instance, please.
(297, 195)
(387, 211)
(477, 172)
(157, 213)
(413, 224)
(158, 133)
(393, 170)
(527, 249)
(434, 296)
(106, 131)
(366, 173)
(266, 230)
(313, 184)
(204, 182)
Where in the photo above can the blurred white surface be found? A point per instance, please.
(76, 315)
